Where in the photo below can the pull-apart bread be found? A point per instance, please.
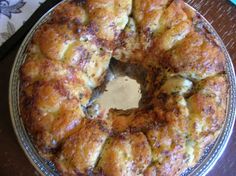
(186, 86)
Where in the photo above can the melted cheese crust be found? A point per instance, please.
(68, 58)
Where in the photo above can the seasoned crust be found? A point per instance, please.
(148, 13)
(81, 150)
(133, 121)
(64, 64)
(53, 40)
(125, 155)
(108, 17)
(73, 11)
(176, 44)
(37, 70)
(82, 51)
(207, 109)
(195, 57)
(181, 142)
(48, 114)
(169, 152)
(68, 58)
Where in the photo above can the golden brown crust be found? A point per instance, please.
(62, 65)
(108, 17)
(53, 39)
(48, 114)
(180, 144)
(195, 57)
(207, 109)
(68, 58)
(81, 150)
(175, 44)
(125, 155)
(168, 151)
(148, 13)
(74, 11)
(134, 121)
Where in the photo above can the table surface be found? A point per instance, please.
(220, 13)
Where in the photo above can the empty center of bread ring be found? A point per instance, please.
(123, 89)
(121, 93)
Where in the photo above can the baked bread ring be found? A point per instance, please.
(185, 83)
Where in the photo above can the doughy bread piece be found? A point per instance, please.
(148, 13)
(70, 11)
(49, 115)
(81, 51)
(139, 120)
(195, 57)
(160, 26)
(52, 40)
(169, 152)
(181, 142)
(207, 110)
(72, 81)
(81, 150)
(108, 17)
(129, 46)
(125, 155)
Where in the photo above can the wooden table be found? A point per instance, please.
(220, 13)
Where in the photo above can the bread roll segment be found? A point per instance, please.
(81, 150)
(125, 155)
